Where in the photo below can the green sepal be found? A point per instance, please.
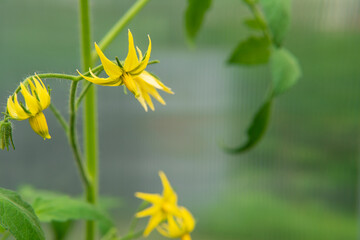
(6, 135)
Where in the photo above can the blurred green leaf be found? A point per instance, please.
(194, 16)
(254, 23)
(61, 229)
(252, 51)
(277, 14)
(285, 70)
(52, 206)
(18, 217)
(257, 128)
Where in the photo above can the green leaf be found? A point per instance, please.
(256, 130)
(285, 70)
(18, 217)
(61, 229)
(254, 24)
(52, 206)
(277, 14)
(194, 16)
(252, 51)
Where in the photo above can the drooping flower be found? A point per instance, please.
(36, 100)
(131, 73)
(178, 226)
(162, 206)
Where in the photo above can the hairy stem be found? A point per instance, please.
(60, 118)
(73, 136)
(90, 117)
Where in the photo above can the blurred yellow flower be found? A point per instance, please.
(178, 226)
(35, 103)
(163, 206)
(132, 73)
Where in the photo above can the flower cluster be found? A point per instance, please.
(132, 74)
(36, 99)
(166, 216)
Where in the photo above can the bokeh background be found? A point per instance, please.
(299, 183)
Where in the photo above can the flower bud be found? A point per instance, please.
(6, 135)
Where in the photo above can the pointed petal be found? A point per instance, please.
(152, 91)
(188, 219)
(130, 84)
(139, 53)
(185, 237)
(111, 69)
(168, 192)
(148, 212)
(142, 102)
(102, 81)
(152, 198)
(15, 110)
(141, 67)
(153, 223)
(39, 125)
(175, 230)
(131, 60)
(42, 92)
(147, 98)
(32, 104)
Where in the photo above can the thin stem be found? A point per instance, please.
(84, 90)
(90, 117)
(119, 25)
(60, 118)
(73, 136)
(260, 17)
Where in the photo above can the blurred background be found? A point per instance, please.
(299, 183)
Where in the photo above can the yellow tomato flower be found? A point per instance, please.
(132, 73)
(163, 206)
(35, 102)
(178, 226)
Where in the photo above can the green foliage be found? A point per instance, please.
(285, 70)
(194, 16)
(255, 24)
(6, 135)
(18, 217)
(277, 14)
(252, 51)
(50, 206)
(257, 128)
(61, 229)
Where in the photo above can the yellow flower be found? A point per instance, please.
(178, 226)
(163, 206)
(35, 103)
(132, 73)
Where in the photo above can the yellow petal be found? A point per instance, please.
(175, 229)
(140, 53)
(168, 192)
(111, 69)
(147, 98)
(42, 93)
(131, 60)
(32, 104)
(152, 198)
(141, 67)
(148, 212)
(102, 81)
(186, 237)
(188, 219)
(39, 125)
(130, 84)
(15, 110)
(142, 102)
(153, 223)
(152, 91)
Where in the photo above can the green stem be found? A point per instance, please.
(90, 117)
(73, 136)
(85, 89)
(119, 25)
(260, 17)
(60, 118)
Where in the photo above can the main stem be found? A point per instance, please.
(90, 118)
